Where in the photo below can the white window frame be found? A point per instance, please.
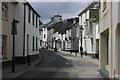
(5, 10)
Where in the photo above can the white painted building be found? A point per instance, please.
(27, 38)
(87, 19)
(62, 41)
(110, 39)
(53, 39)
(69, 40)
(44, 29)
(41, 36)
(97, 38)
(58, 39)
(44, 35)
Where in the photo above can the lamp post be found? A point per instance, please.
(81, 48)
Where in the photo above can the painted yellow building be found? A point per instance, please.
(109, 38)
(8, 14)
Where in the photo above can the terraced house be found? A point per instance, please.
(8, 14)
(52, 36)
(88, 20)
(69, 32)
(110, 38)
(27, 37)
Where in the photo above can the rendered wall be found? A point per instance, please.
(6, 30)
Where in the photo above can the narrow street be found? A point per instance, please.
(62, 65)
(41, 38)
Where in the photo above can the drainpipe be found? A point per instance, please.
(112, 72)
(24, 32)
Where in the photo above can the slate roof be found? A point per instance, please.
(61, 26)
(52, 24)
(68, 25)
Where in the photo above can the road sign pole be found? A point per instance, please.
(14, 32)
(13, 57)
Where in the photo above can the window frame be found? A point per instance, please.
(36, 22)
(33, 47)
(104, 5)
(29, 15)
(33, 16)
(4, 54)
(40, 42)
(36, 43)
(44, 36)
(5, 10)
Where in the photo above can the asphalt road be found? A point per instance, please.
(61, 65)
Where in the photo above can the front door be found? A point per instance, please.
(4, 43)
(27, 44)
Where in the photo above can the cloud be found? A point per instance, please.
(66, 9)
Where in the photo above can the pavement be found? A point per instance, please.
(86, 67)
(58, 64)
(19, 69)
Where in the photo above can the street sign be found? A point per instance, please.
(14, 31)
(14, 27)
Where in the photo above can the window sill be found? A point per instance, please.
(107, 67)
(4, 58)
(5, 19)
(35, 50)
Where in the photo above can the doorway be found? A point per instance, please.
(28, 55)
(4, 46)
(27, 44)
(118, 51)
(117, 54)
(97, 48)
(104, 49)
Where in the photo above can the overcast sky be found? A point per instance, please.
(66, 9)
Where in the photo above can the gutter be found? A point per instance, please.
(111, 39)
(113, 71)
(27, 3)
(24, 31)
